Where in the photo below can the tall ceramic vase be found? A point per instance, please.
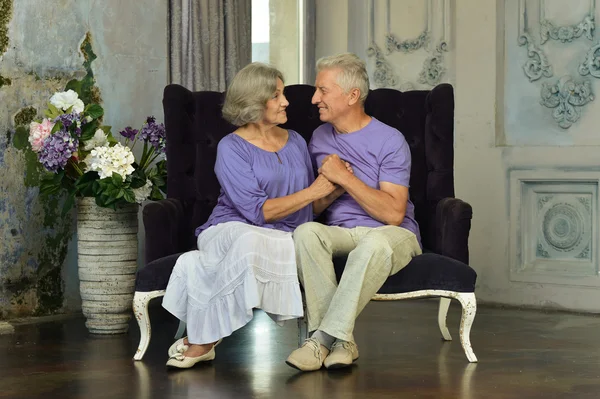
(107, 249)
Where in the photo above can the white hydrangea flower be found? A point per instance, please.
(98, 140)
(66, 99)
(108, 160)
(78, 106)
(142, 193)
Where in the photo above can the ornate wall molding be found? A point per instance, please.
(392, 43)
(537, 64)
(384, 75)
(433, 67)
(566, 96)
(567, 33)
(553, 228)
(591, 64)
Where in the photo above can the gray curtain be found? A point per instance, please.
(209, 40)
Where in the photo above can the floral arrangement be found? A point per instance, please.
(82, 158)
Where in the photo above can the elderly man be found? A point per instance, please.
(370, 218)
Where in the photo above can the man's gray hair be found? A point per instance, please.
(248, 93)
(353, 73)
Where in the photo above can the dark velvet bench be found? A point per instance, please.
(194, 126)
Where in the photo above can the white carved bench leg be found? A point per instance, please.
(140, 310)
(469, 308)
(180, 329)
(442, 313)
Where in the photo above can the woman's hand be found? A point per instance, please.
(321, 187)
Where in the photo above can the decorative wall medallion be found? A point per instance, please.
(563, 227)
(591, 64)
(537, 64)
(566, 97)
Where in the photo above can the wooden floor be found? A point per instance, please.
(522, 354)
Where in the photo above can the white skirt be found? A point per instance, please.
(236, 268)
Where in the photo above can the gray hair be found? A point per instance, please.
(353, 73)
(248, 93)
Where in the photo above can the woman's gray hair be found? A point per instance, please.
(248, 93)
(353, 73)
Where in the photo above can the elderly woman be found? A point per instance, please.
(245, 257)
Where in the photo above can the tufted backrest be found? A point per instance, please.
(194, 126)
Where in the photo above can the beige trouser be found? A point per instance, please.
(374, 254)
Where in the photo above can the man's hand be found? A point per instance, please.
(335, 169)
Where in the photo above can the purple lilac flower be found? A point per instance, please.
(57, 149)
(68, 119)
(154, 133)
(129, 133)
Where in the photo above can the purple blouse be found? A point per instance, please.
(250, 175)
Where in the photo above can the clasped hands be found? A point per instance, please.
(332, 172)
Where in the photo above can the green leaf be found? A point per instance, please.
(156, 194)
(96, 187)
(87, 85)
(158, 181)
(111, 140)
(74, 85)
(121, 193)
(88, 130)
(52, 112)
(21, 138)
(57, 126)
(85, 184)
(51, 183)
(129, 195)
(94, 110)
(69, 203)
(117, 180)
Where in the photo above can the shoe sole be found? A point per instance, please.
(298, 368)
(335, 366)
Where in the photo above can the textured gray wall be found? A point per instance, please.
(38, 266)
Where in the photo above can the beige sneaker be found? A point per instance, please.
(309, 356)
(343, 354)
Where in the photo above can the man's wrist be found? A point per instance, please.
(347, 180)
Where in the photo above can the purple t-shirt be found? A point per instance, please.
(377, 153)
(250, 175)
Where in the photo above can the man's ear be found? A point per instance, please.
(354, 96)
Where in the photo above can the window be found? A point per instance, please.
(278, 36)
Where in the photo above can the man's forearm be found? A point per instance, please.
(378, 204)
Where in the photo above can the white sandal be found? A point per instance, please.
(180, 361)
(180, 347)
